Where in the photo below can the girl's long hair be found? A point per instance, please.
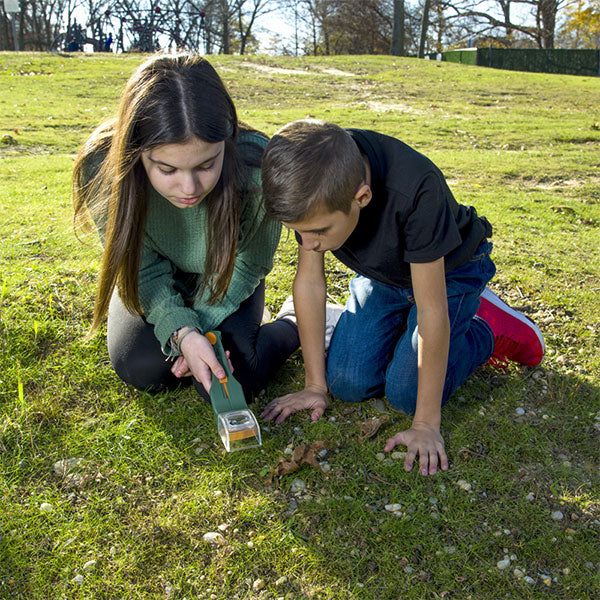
(168, 100)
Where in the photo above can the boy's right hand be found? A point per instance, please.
(313, 398)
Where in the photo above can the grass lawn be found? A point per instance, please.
(518, 513)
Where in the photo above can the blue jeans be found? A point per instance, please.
(373, 351)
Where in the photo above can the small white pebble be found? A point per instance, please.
(566, 571)
(288, 450)
(325, 467)
(529, 580)
(464, 485)
(250, 544)
(503, 564)
(518, 574)
(557, 515)
(46, 507)
(530, 496)
(520, 411)
(281, 581)
(214, 538)
(547, 580)
(380, 456)
(89, 565)
(217, 493)
(398, 455)
(78, 579)
(393, 507)
(258, 585)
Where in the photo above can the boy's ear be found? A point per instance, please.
(363, 195)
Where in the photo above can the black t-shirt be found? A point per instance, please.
(412, 217)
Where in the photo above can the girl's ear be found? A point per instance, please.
(363, 195)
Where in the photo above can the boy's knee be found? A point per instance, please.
(351, 386)
(344, 386)
(402, 396)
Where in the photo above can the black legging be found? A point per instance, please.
(257, 352)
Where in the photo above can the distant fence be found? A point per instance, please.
(570, 62)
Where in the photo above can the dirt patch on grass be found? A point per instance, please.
(282, 71)
(393, 107)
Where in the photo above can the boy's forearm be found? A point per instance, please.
(309, 304)
(434, 337)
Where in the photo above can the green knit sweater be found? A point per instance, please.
(175, 238)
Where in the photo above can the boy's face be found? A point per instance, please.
(326, 230)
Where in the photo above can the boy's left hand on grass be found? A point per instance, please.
(424, 441)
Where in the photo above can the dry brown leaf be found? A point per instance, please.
(302, 454)
(370, 427)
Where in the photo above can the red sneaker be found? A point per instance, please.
(516, 338)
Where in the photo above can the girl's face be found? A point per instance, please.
(184, 173)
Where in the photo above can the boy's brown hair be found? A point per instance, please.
(310, 165)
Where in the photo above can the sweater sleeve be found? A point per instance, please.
(163, 305)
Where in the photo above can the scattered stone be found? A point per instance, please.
(297, 486)
(588, 565)
(223, 527)
(217, 493)
(393, 507)
(408, 569)
(325, 467)
(566, 571)
(288, 451)
(66, 465)
(78, 579)
(530, 497)
(518, 574)
(529, 580)
(450, 549)
(520, 411)
(46, 507)
(322, 453)
(398, 455)
(281, 581)
(89, 566)
(433, 500)
(547, 580)
(557, 515)
(214, 538)
(503, 564)
(380, 456)
(464, 485)
(258, 585)
(250, 544)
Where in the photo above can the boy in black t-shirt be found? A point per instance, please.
(419, 319)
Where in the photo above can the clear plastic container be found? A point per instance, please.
(239, 430)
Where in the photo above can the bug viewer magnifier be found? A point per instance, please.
(236, 423)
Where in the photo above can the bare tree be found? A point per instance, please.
(493, 16)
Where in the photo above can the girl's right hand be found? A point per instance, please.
(200, 359)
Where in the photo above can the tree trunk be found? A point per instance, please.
(424, 26)
(548, 9)
(397, 48)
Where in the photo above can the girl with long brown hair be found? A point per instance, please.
(173, 186)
